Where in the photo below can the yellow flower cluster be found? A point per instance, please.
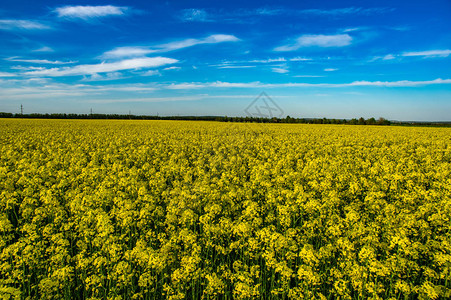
(202, 210)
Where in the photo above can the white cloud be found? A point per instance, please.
(106, 77)
(424, 54)
(183, 86)
(347, 11)
(88, 12)
(39, 88)
(269, 60)
(43, 49)
(22, 25)
(241, 16)
(308, 76)
(22, 68)
(32, 89)
(40, 61)
(352, 29)
(231, 64)
(246, 16)
(194, 15)
(317, 40)
(282, 70)
(172, 68)
(389, 57)
(220, 84)
(124, 52)
(212, 39)
(430, 53)
(298, 58)
(129, 64)
(141, 51)
(151, 73)
(6, 74)
(235, 67)
(330, 69)
(148, 99)
(400, 83)
(268, 11)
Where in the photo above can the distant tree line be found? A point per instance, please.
(287, 119)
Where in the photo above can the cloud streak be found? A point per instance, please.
(129, 64)
(12, 89)
(280, 70)
(40, 61)
(252, 15)
(430, 53)
(347, 11)
(89, 12)
(43, 49)
(126, 52)
(235, 67)
(6, 74)
(424, 54)
(317, 40)
(194, 15)
(12, 24)
(140, 51)
(212, 39)
(220, 84)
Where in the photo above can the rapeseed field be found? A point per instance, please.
(202, 210)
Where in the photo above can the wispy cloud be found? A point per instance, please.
(212, 39)
(280, 69)
(231, 16)
(12, 24)
(424, 54)
(89, 12)
(388, 57)
(39, 89)
(429, 53)
(6, 74)
(151, 73)
(140, 51)
(317, 40)
(172, 68)
(330, 69)
(40, 61)
(352, 29)
(235, 67)
(194, 15)
(308, 76)
(126, 52)
(269, 60)
(300, 59)
(253, 15)
(347, 11)
(129, 64)
(237, 63)
(43, 49)
(220, 84)
(106, 77)
(28, 68)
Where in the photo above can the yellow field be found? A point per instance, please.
(190, 210)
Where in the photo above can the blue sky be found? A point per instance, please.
(334, 59)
